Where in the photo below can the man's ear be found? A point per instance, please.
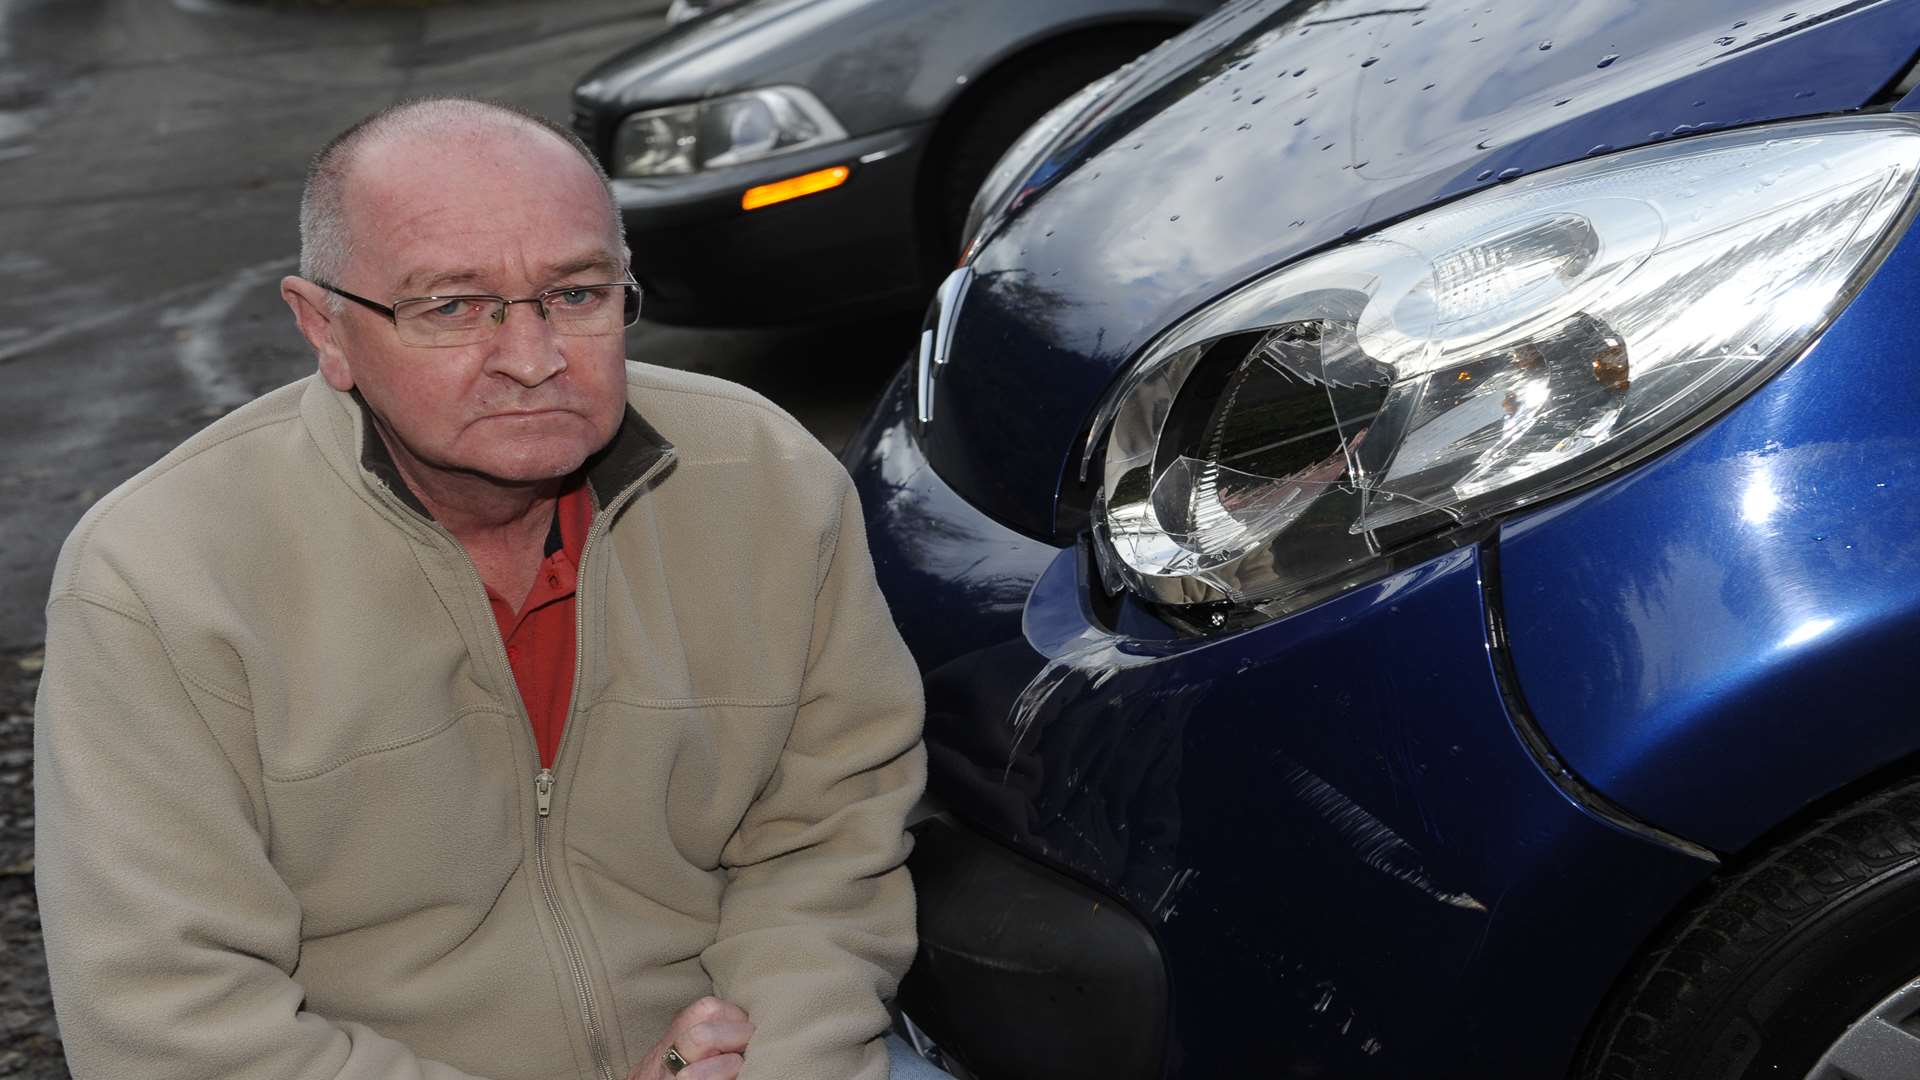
(313, 313)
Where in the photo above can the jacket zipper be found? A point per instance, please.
(582, 985)
(543, 780)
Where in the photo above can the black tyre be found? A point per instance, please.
(1806, 963)
(1007, 102)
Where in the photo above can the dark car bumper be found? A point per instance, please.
(1330, 825)
(703, 261)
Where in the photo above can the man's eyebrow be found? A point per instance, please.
(432, 283)
(598, 261)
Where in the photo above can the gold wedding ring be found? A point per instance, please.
(673, 1059)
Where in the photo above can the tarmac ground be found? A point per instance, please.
(151, 156)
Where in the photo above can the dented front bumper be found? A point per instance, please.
(1328, 827)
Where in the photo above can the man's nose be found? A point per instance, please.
(524, 347)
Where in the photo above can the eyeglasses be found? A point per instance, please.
(443, 322)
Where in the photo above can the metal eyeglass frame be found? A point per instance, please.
(629, 315)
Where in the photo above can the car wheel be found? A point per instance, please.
(1007, 102)
(1804, 964)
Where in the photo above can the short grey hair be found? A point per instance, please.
(326, 241)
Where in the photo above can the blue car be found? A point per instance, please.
(1408, 517)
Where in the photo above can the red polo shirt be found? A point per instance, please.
(539, 637)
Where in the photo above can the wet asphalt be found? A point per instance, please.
(151, 154)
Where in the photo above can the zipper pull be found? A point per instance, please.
(543, 790)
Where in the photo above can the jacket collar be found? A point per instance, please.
(348, 438)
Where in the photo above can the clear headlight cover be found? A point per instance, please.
(1285, 441)
(727, 130)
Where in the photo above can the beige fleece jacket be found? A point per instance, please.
(290, 817)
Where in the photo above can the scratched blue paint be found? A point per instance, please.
(1353, 863)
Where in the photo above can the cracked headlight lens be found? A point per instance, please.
(1287, 440)
(724, 131)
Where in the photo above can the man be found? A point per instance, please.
(483, 706)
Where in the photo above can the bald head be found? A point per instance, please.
(427, 125)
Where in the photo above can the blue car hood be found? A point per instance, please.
(1278, 128)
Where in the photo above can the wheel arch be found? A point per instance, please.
(994, 73)
(1735, 864)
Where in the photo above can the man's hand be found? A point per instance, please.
(710, 1035)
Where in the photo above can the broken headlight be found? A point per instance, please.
(1287, 440)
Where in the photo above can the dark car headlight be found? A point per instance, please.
(722, 131)
(1288, 439)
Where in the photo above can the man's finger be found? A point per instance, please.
(705, 1040)
(705, 1010)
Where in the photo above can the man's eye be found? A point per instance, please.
(458, 311)
(576, 297)
(453, 309)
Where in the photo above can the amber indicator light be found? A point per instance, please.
(794, 187)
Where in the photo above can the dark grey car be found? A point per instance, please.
(884, 115)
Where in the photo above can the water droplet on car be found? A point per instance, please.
(1173, 217)
(1219, 177)
(1245, 127)
(1391, 79)
(1313, 91)
(1483, 144)
(1299, 73)
(1607, 61)
(1724, 41)
(1369, 61)
(1656, 134)
(1699, 103)
(1740, 24)
(1561, 102)
(1600, 149)
(1475, 40)
(1545, 45)
(1429, 86)
(1485, 174)
(1789, 16)
(1257, 100)
(1049, 232)
(1803, 94)
(1300, 121)
(1508, 174)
